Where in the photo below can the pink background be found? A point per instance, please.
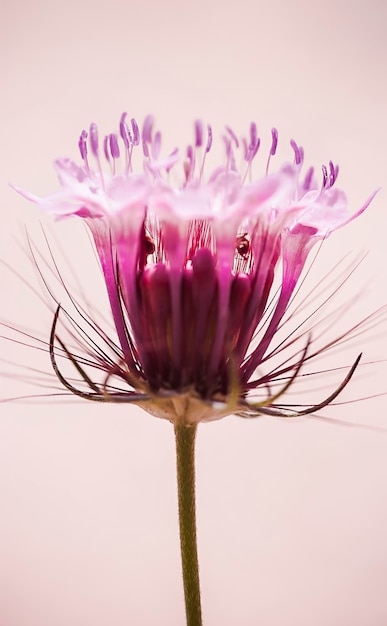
(292, 516)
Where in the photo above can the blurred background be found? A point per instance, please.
(291, 514)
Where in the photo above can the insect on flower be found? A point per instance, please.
(190, 269)
(242, 245)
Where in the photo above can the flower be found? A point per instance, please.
(190, 269)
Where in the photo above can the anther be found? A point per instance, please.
(308, 178)
(82, 145)
(147, 129)
(198, 133)
(173, 158)
(114, 148)
(297, 152)
(230, 153)
(136, 132)
(246, 148)
(209, 138)
(274, 141)
(125, 132)
(106, 148)
(156, 145)
(325, 176)
(253, 135)
(333, 172)
(93, 138)
(191, 159)
(233, 136)
(273, 149)
(258, 143)
(189, 164)
(208, 148)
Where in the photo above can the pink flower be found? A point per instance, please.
(190, 266)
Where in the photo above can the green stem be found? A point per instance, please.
(185, 462)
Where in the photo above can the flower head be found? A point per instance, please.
(190, 267)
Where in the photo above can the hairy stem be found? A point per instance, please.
(185, 462)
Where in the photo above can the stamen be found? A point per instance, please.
(191, 163)
(125, 132)
(258, 143)
(114, 147)
(208, 148)
(172, 160)
(297, 152)
(136, 132)
(114, 150)
(325, 176)
(106, 148)
(230, 154)
(233, 136)
(156, 145)
(273, 149)
(147, 129)
(255, 142)
(245, 148)
(83, 148)
(233, 166)
(274, 141)
(186, 168)
(128, 142)
(164, 164)
(253, 134)
(209, 138)
(308, 178)
(252, 150)
(198, 133)
(93, 138)
(333, 172)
